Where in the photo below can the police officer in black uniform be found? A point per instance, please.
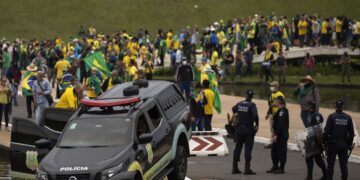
(338, 135)
(280, 138)
(314, 118)
(245, 129)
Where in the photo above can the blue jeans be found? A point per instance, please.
(199, 123)
(39, 111)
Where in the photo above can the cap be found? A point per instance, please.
(280, 99)
(339, 104)
(274, 83)
(250, 93)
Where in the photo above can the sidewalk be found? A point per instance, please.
(227, 102)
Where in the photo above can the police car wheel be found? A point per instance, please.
(179, 164)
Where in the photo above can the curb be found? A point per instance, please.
(291, 146)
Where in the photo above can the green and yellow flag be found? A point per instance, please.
(97, 61)
(28, 80)
(214, 87)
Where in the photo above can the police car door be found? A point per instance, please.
(160, 131)
(24, 156)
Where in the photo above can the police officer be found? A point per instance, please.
(280, 137)
(245, 129)
(338, 135)
(314, 118)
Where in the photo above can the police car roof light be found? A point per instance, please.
(109, 102)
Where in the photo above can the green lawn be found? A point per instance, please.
(49, 18)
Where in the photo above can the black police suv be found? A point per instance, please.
(136, 130)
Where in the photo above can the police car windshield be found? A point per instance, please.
(96, 132)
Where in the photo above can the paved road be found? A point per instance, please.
(219, 168)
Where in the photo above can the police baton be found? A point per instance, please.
(350, 150)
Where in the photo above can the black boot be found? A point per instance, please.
(274, 168)
(235, 168)
(248, 171)
(308, 177)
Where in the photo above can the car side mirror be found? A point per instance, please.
(145, 138)
(43, 144)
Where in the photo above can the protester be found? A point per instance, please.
(28, 80)
(14, 76)
(338, 136)
(238, 64)
(93, 85)
(111, 81)
(307, 91)
(309, 63)
(41, 89)
(280, 138)
(345, 67)
(71, 97)
(275, 93)
(197, 102)
(209, 107)
(246, 126)
(282, 65)
(228, 60)
(266, 65)
(5, 104)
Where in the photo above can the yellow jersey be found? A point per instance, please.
(61, 66)
(324, 26)
(214, 58)
(338, 26)
(133, 73)
(209, 107)
(302, 25)
(68, 99)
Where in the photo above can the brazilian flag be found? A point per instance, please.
(28, 80)
(97, 61)
(215, 89)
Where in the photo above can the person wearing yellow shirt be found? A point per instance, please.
(209, 107)
(356, 37)
(92, 85)
(143, 53)
(133, 71)
(133, 46)
(325, 36)
(338, 30)
(214, 61)
(251, 36)
(61, 67)
(275, 93)
(302, 25)
(71, 97)
(127, 58)
(111, 81)
(149, 69)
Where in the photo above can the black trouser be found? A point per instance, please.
(310, 164)
(5, 108)
(207, 122)
(242, 138)
(29, 102)
(279, 151)
(214, 68)
(343, 159)
(161, 56)
(268, 73)
(149, 76)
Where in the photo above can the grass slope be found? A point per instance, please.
(48, 18)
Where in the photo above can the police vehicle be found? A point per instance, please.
(136, 130)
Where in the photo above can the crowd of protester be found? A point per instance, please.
(63, 60)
